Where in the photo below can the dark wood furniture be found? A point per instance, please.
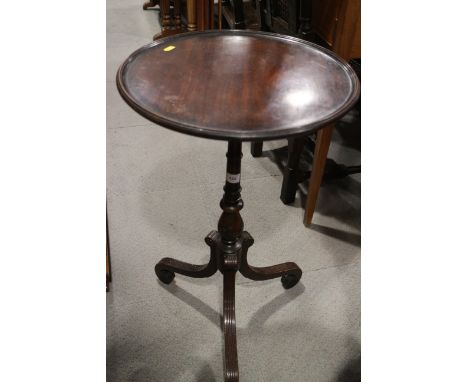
(260, 86)
(291, 17)
(336, 24)
(240, 14)
(177, 16)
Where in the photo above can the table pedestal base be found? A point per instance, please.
(228, 247)
(228, 263)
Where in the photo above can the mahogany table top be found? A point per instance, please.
(241, 85)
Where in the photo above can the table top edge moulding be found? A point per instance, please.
(302, 127)
(253, 85)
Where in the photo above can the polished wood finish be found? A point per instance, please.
(205, 12)
(289, 272)
(256, 85)
(322, 145)
(347, 43)
(171, 24)
(237, 85)
(220, 14)
(231, 372)
(166, 14)
(199, 16)
(324, 17)
(191, 15)
(338, 24)
(229, 246)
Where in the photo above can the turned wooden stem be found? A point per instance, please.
(229, 246)
(230, 224)
(230, 228)
(165, 9)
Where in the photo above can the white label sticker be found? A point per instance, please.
(232, 178)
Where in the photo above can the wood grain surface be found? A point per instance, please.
(237, 84)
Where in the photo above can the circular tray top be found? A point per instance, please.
(237, 84)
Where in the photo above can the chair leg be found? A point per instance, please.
(318, 166)
(291, 172)
(256, 148)
(191, 15)
(165, 10)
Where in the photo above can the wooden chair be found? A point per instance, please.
(335, 24)
(291, 17)
(197, 15)
(340, 27)
(150, 4)
(241, 15)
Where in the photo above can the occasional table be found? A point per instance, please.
(236, 86)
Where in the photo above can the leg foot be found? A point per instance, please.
(289, 280)
(289, 272)
(231, 373)
(322, 145)
(167, 267)
(164, 275)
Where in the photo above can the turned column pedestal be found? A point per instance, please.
(236, 86)
(228, 248)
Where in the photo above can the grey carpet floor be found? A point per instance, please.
(163, 190)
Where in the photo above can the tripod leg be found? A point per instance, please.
(229, 327)
(289, 272)
(167, 267)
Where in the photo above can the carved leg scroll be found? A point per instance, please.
(166, 268)
(229, 246)
(289, 272)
